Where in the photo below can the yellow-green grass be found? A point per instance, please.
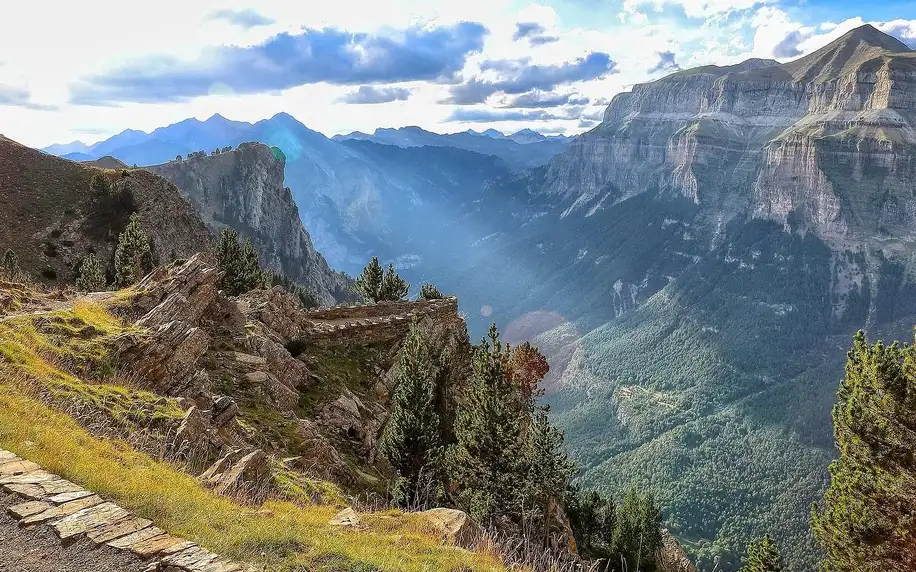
(58, 349)
(280, 534)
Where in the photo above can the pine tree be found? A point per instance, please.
(228, 254)
(10, 265)
(868, 515)
(393, 287)
(133, 256)
(762, 556)
(369, 283)
(549, 468)
(91, 275)
(252, 274)
(411, 438)
(637, 531)
(489, 456)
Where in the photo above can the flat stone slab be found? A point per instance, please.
(114, 530)
(67, 497)
(194, 558)
(30, 492)
(125, 542)
(17, 466)
(57, 512)
(88, 518)
(156, 545)
(30, 478)
(27, 509)
(59, 486)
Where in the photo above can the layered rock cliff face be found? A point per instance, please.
(243, 189)
(814, 143)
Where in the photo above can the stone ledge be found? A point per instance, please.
(72, 512)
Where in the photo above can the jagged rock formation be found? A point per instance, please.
(246, 368)
(73, 512)
(55, 212)
(244, 189)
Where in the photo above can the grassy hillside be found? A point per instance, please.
(55, 360)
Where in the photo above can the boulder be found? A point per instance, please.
(455, 526)
(240, 473)
(346, 518)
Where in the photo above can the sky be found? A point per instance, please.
(97, 67)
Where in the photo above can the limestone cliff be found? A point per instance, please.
(826, 142)
(243, 189)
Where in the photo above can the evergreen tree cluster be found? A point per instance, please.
(376, 285)
(430, 292)
(9, 266)
(625, 537)
(499, 458)
(238, 261)
(867, 521)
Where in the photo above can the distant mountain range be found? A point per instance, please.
(525, 148)
(354, 193)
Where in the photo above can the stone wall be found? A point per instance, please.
(365, 325)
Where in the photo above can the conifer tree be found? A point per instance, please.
(762, 556)
(411, 438)
(252, 274)
(489, 455)
(866, 521)
(91, 275)
(369, 283)
(637, 532)
(549, 468)
(393, 287)
(133, 256)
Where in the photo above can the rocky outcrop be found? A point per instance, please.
(259, 372)
(244, 189)
(671, 556)
(816, 143)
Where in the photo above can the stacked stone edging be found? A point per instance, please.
(380, 309)
(380, 322)
(72, 511)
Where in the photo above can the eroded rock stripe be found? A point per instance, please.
(72, 512)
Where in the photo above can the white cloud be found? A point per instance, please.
(43, 56)
(692, 8)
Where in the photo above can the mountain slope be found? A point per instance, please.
(243, 188)
(55, 212)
